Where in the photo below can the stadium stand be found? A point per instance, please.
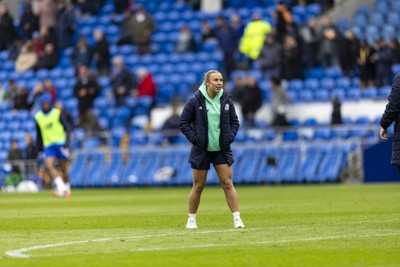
(176, 75)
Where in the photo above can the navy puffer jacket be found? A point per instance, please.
(194, 125)
(392, 114)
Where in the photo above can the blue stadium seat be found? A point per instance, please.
(377, 19)
(393, 18)
(353, 94)
(369, 93)
(382, 7)
(322, 95)
(312, 83)
(296, 85)
(362, 120)
(328, 83)
(343, 82)
(384, 91)
(305, 95)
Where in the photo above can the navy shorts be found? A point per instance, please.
(214, 157)
(56, 151)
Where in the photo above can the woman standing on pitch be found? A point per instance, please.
(210, 123)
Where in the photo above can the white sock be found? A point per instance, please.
(68, 187)
(58, 181)
(236, 214)
(192, 216)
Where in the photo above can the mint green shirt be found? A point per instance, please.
(214, 117)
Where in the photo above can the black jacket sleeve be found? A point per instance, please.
(186, 119)
(392, 110)
(67, 128)
(39, 140)
(234, 120)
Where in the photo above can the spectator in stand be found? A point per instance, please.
(283, 20)
(228, 42)
(336, 117)
(185, 41)
(38, 91)
(29, 23)
(48, 59)
(65, 25)
(291, 67)
(366, 63)
(269, 58)
(101, 53)
(147, 87)
(195, 4)
(250, 101)
(125, 28)
(120, 6)
(8, 32)
(51, 89)
(123, 82)
(86, 89)
(394, 44)
(170, 128)
(21, 99)
(3, 93)
(329, 36)
(309, 43)
(238, 88)
(15, 157)
(142, 26)
(82, 53)
(254, 36)
(30, 155)
(30, 148)
(15, 49)
(348, 52)
(279, 97)
(237, 25)
(88, 7)
(47, 13)
(383, 58)
(26, 59)
(207, 32)
(38, 41)
(280, 119)
(12, 89)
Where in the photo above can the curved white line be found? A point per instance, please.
(20, 253)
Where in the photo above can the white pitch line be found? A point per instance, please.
(20, 253)
(263, 242)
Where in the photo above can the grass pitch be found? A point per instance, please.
(326, 225)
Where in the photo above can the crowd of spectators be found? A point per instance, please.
(283, 51)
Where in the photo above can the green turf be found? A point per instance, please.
(327, 225)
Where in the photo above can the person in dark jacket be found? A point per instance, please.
(7, 30)
(29, 23)
(210, 123)
(123, 81)
(65, 25)
(250, 101)
(383, 59)
(228, 41)
(86, 89)
(392, 114)
(101, 53)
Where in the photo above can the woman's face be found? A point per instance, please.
(215, 82)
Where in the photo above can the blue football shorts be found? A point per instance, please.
(56, 151)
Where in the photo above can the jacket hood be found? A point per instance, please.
(203, 90)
